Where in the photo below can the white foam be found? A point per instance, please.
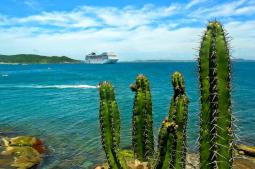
(53, 86)
(64, 86)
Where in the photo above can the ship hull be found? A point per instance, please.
(106, 61)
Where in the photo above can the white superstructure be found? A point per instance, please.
(104, 58)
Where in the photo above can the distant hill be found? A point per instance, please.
(35, 59)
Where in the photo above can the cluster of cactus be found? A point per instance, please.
(216, 135)
(172, 133)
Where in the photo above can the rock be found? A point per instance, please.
(247, 150)
(243, 162)
(192, 161)
(136, 164)
(20, 152)
(98, 167)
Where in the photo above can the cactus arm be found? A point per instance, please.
(162, 149)
(181, 121)
(224, 121)
(107, 137)
(172, 109)
(217, 115)
(205, 115)
(180, 116)
(148, 126)
(172, 136)
(110, 126)
(166, 145)
(142, 134)
(116, 125)
(138, 126)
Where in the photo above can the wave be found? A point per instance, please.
(54, 86)
(65, 87)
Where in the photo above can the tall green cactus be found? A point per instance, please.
(142, 133)
(172, 136)
(179, 115)
(166, 145)
(216, 135)
(110, 126)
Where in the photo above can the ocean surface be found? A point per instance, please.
(59, 104)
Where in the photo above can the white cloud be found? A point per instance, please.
(194, 3)
(88, 16)
(145, 41)
(229, 9)
(243, 38)
(150, 32)
(62, 19)
(131, 17)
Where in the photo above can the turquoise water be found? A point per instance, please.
(59, 104)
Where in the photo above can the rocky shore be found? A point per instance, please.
(23, 152)
(244, 159)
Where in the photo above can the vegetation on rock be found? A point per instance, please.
(35, 59)
(21, 152)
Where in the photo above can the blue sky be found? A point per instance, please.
(141, 29)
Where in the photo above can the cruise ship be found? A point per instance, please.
(104, 58)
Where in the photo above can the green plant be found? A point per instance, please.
(216, 135)
(172, 136)
(110, 126)
(142, 133)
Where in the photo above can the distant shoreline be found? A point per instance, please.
(28, 59)
(6, 63)
(167, 61)
(35, 59)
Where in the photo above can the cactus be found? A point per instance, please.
(166, 145)
(110, 126)
(216, 135)
(172, 136)
(179, 115)
(142, 133)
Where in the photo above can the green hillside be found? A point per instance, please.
(31, 59)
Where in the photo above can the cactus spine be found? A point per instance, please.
(142, 133)
(172, 135)
(215, 118)
(110, 125)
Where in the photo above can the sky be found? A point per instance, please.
(133, 29)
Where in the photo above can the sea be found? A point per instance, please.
(59, 103)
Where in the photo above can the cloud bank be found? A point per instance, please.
(148, 32)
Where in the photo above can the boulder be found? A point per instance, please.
(20, 152)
